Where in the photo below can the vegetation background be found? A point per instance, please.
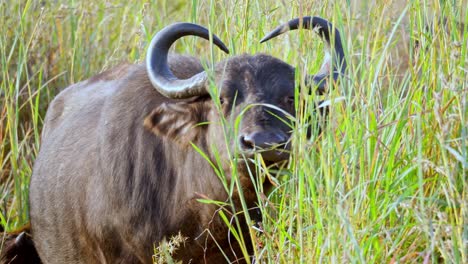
(385, 183)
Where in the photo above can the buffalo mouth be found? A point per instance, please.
(272, 156)
(270, 152)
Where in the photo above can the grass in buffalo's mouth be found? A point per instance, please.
(386, 181)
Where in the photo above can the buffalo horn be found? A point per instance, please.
(324, 28)
(158, 69)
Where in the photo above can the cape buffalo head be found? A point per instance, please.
(259, 88)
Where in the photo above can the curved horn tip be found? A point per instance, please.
(268, 37)
(306, 22)
(222, 46)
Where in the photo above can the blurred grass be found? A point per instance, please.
(385, 183)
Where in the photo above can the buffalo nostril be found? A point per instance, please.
(262, 140)
(246, 142)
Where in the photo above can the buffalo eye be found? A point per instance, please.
(290, 101)
(222, 101)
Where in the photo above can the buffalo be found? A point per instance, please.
(120, 168)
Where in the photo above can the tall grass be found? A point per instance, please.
(386, 182)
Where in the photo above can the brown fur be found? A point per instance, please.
(116, 173)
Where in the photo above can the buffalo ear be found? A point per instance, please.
(178, 121)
